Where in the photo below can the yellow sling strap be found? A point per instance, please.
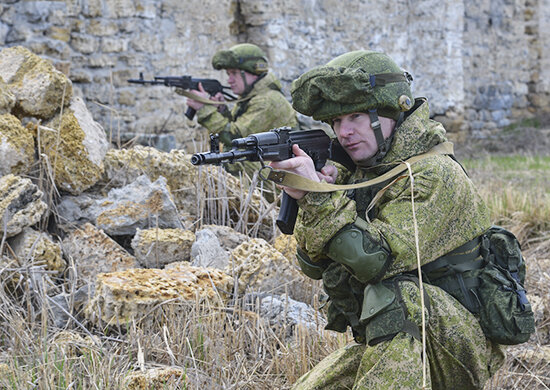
(293, 180)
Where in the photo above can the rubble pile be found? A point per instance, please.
(129, 228)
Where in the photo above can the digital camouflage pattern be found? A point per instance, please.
(449, 213)
(244, 56)
(459, 355)
(343, 86)
(265, 108)
(438, 182)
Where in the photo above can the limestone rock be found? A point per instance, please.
(141, 204)
(7, 98)
(38, 247)
(73, 344)
(260, 267)
(229, 238)
(16, 145)
(64, 305)
(206, 251)
(39, 88)
(21, 204)
(74, 211)
(123, 166)
(154, 248)
(75, 145)
(217, 195)
(283, 312)
(157, 378)
(124, 295)
(94, 252)
(286, 244)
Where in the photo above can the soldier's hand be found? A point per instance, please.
(328, 173)
(301, 165)
(201, 93)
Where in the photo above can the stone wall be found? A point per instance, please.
(483, 64)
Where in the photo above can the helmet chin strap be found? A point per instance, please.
(245, 84)
(383, 144)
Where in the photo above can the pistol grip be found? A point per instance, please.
(190, 113)
(287, 214)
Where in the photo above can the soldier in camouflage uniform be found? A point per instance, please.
(361, 242)
(261, 107)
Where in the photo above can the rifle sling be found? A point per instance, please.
(293, 180)
(202, 100)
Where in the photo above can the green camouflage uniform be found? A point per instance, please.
(264, 108)
(449, 213)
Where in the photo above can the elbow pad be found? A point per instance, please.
(364, 257)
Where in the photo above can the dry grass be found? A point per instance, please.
(226, 347)
(517, 191)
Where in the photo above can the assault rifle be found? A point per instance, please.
(276, 145)
(212, 86)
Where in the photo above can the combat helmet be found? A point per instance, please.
(244, 56)
(358, 81)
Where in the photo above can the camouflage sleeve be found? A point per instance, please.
(214, 121)
(321, 215)
(263, 113)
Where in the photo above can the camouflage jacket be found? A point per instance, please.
(448, 209)
(264, 108)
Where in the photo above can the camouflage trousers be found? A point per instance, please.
(459, 355)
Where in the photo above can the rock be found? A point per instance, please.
(75, 146)
(40, 89)
(207, 193)
(141, 204)
(123, 166)
(38, 248)
(21, 204)
(158, 378)
(125, 295)
(286, 244)
(93, 252)
(206, 251)
(283, 312)
(229, 238)
(7, 98)
(62, 306)
(260, 267)
(74, 211)
(72, 344)
(16, 146)
(154, 248)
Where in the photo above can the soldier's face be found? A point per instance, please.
(236, 82)
(356, 136)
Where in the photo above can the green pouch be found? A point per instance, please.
(505, 314)
(493, 288)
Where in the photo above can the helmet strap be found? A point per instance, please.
(247, 87)
(243, 76)
(383, 144)
(377, 128)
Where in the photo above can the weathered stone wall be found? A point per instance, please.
(482, 64)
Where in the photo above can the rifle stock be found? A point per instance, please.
(276, 145)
